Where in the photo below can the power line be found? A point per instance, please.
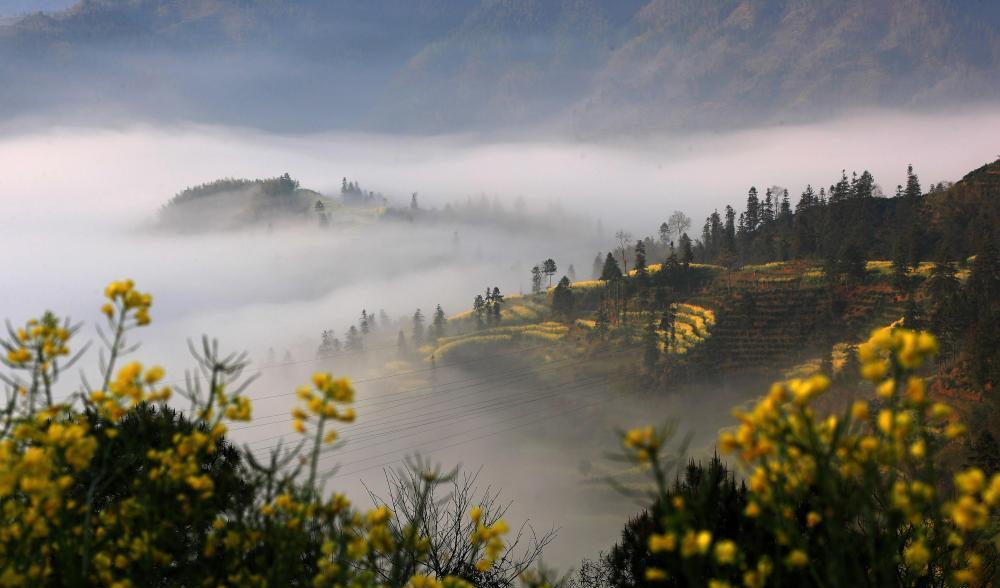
(349, 428)
(405, 373)
(606, 381)
(456, 444)
(410, 398)
(437, 416)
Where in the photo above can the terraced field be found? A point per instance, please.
(478, 341)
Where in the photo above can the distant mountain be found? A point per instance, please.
(588, 66)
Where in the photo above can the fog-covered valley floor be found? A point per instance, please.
(79, 208)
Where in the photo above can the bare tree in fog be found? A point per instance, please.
(447, 524)
(624, 240)
(677, 224)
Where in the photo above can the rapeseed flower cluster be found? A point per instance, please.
(490, 537)
(852, 499)
(114, 487)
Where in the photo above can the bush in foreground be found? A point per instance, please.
(113, 487)
(857, 499)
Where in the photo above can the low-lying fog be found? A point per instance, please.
(78, 205)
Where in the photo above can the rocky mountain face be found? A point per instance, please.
(585, 66)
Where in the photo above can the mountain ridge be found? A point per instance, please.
(430, 66)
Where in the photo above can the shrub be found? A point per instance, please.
(113, 487)
(857, 499)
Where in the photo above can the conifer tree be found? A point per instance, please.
(687, 254)
(767, 210)
(729, 233)
(536, 280)
(479, 310)
(610, 272)
(439, 322)
(785, 212)
(562, 299)
(354, 340)
(598, 267)
(549, 269)
(418, 328)
(912, 190)
(640, 260)
(495, 302)
(752, 214)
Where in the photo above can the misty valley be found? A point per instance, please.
(500, 293)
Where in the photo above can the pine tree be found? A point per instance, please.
(562, 299)
(495, 301)
(912, 190)
(752, 214)
(806, 200)
(479, 310)
(598, 266)
(439, 322)
(767, 210)
(354, 340)
(687, 254)
(640, 259)
(865, 186)
(418, 328)
(401, 343)
(571, 272)
(785, 212)
(549, 269)
(363, 323)
(536, 280)
(729, 234)
(610, 272)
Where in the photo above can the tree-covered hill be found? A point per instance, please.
(236, 203)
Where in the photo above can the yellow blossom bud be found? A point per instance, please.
(655, 575)
(886, 388)
(797, 559)
(970, 481)
(725, 552)
(954, 430)
(874, 371)
(703, 541)
(916, 556)
(859, 411)
(885, 420)
(941, 410)
(666, 542)
(916, 390)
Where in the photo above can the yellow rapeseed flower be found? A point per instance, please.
(725, 552)
(797, 559)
